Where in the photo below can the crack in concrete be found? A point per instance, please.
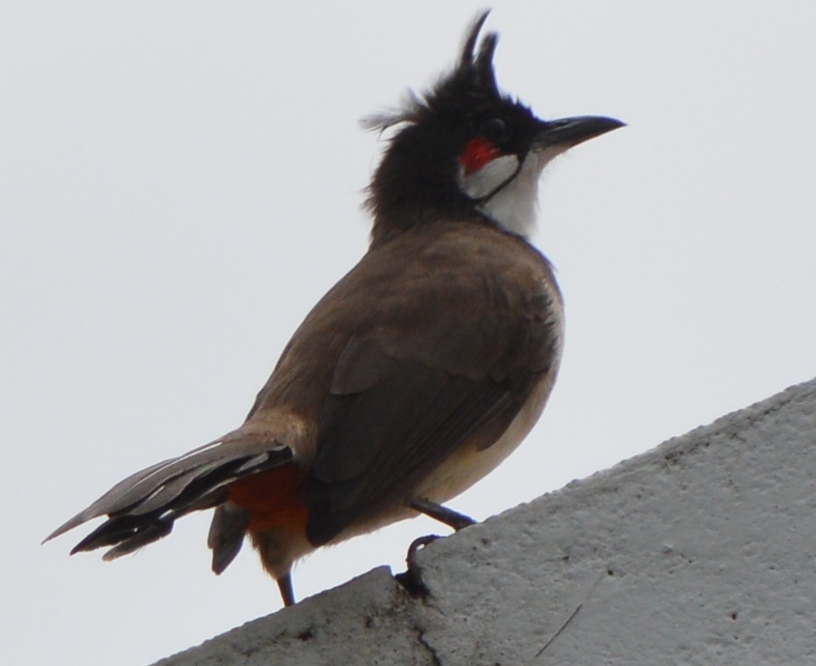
(424, 643)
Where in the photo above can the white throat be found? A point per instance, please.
(514, 199)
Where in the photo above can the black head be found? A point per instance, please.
(464, 149)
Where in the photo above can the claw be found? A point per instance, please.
(411, 579)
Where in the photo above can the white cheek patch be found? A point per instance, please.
(483, 182)
(514, 205)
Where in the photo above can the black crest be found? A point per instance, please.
(475, 68)
(470, 84)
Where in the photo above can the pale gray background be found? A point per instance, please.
(180, 182)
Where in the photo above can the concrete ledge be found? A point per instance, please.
(700, 551)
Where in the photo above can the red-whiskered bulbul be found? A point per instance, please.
(416, 374)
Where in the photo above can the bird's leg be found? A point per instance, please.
(286, 589)
(411, 579)
(441, 513)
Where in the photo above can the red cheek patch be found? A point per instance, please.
(477, 153)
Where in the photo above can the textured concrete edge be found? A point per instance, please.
(520, 577)
(688, 443)
(325, 617)
(321, 629)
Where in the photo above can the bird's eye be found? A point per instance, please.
(494, 129)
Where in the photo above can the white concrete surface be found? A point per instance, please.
(700, 551)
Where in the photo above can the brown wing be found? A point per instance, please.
(448, 350)
(375, 445)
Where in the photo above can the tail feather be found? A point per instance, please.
(143, 507)
(227, 530)
(148, 534)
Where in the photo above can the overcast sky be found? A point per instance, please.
(180, 182)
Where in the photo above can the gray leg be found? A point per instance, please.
(441, 513)
(286, 589)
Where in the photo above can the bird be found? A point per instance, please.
(416, 374)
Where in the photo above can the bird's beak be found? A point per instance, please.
(568, 132)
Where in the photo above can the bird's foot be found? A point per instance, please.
(411, 579)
